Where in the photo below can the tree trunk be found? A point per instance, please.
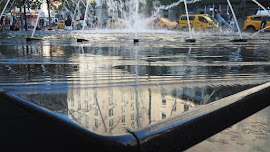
(21, 18)
(25, 19)
(50, 26)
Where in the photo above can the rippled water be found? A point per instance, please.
(109, 83)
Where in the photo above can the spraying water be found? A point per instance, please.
(85, 15)
(190, 34)
(173, 5)
(136, 16)
(39, 12)
(235, 19)
(4, 8)
(74, 13)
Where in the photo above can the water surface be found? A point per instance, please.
(110, 84)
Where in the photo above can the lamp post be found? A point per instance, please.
(48, 4)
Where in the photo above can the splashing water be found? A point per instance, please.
(39, 12)
(85, 15)
(129, 10)
(189, 28)
(239, 31)
(172, 5)
(4, 8)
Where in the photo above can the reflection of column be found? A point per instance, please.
(136, 88)
(96, 101)
(150, 104)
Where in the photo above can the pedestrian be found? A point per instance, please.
(95, 21)
(263, 23)
(41, 23)
(155, 22)
(221, 20)
(7, 23)
(68, 23)
(226, 16)
(81, 22)
(2, 23)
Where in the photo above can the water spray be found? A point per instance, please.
(84, 23)
(189, 28)
(4, 8)
(35, 27)
(136, 40)
(239, 31)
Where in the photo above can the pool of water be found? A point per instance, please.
(110, 84)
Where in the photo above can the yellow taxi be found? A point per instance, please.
(253, 23)
(117, 23)
(61, 24)
(163, 23)
(198, 22)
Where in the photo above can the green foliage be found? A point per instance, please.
(32, 4)
(241, 10)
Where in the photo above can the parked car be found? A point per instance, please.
(198, 22)
(253, 23)
(162, 23)
(61, 24)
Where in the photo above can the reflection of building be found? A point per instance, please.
(113, 89)
(110, 110)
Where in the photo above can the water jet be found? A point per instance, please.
(237, 25)
(189, 28)
(35, 27)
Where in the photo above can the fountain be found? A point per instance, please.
(84, 23)
(189, 28)
(239, 31)
(73, 17)
(32, 36)
(162, 87)
(4, 8)
(136, 19)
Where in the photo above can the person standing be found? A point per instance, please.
(2, 23)
(68, 23)
(41, 23)
(7, 23)
(81, 22)
(263, 24)
(221, 21)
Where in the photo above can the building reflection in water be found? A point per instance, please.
(107, 90)
(110, 99)
(111, 110)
